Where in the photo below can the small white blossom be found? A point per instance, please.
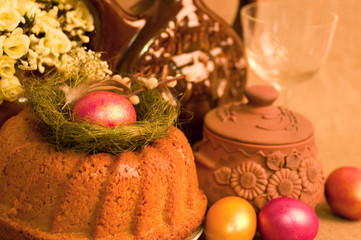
(41, 67)
(49, 36)
(151, 83)
(88, 60)
(84, 39)
(117, 77)
(171, 84)
(134, 100)
(126, 81)
(57, 42)
(191, 76)
(41, 49)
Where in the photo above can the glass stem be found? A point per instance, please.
(284, 97)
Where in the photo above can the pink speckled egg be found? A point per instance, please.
(104, 108)
(287, 219)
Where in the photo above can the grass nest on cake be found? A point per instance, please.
(48, 100)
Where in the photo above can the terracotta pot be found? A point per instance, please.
(259, 152)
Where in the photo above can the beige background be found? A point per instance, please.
(331, 100)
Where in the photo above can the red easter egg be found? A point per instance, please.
(287, 219)
(343, 192)
(104, 108)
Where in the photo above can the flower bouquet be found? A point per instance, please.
(35, 36)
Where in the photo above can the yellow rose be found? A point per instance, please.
(2, 38)
(57, 41)
(9, 3)
(17, 44)
(7, 66)
(31, 8)
(10, 88)
(9, 18)
(46, 21)
(84, 16)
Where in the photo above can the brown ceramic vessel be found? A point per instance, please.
(259, 151)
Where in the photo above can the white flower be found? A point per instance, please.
(2, 38)
(10, 88)
(28, 7)
(9, 18)
(45, 21)
(48, 60)
(7, 66)
(17, 44)
(191, 76)
(65, 24)
(57, 42)
(83, 16)
(40, 48)
(31, 63)
(134, 100)
(151, 83)
(126, 81)
(9, 3)
(171, 84)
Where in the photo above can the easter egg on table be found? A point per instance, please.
(343, 192)
(231, 218)
(287, 219)
(107, 109)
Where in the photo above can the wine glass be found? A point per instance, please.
(286, 43)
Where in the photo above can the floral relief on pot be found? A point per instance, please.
(277, 178)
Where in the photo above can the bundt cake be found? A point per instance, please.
(151, 193)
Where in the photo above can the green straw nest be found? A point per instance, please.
(155, 116)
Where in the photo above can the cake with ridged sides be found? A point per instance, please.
(54, 191)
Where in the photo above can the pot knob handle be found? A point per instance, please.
(261, 95)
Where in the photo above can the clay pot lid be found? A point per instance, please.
(259, 121)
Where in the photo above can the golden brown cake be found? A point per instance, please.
(151, 193)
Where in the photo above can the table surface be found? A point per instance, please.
(331, 100)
